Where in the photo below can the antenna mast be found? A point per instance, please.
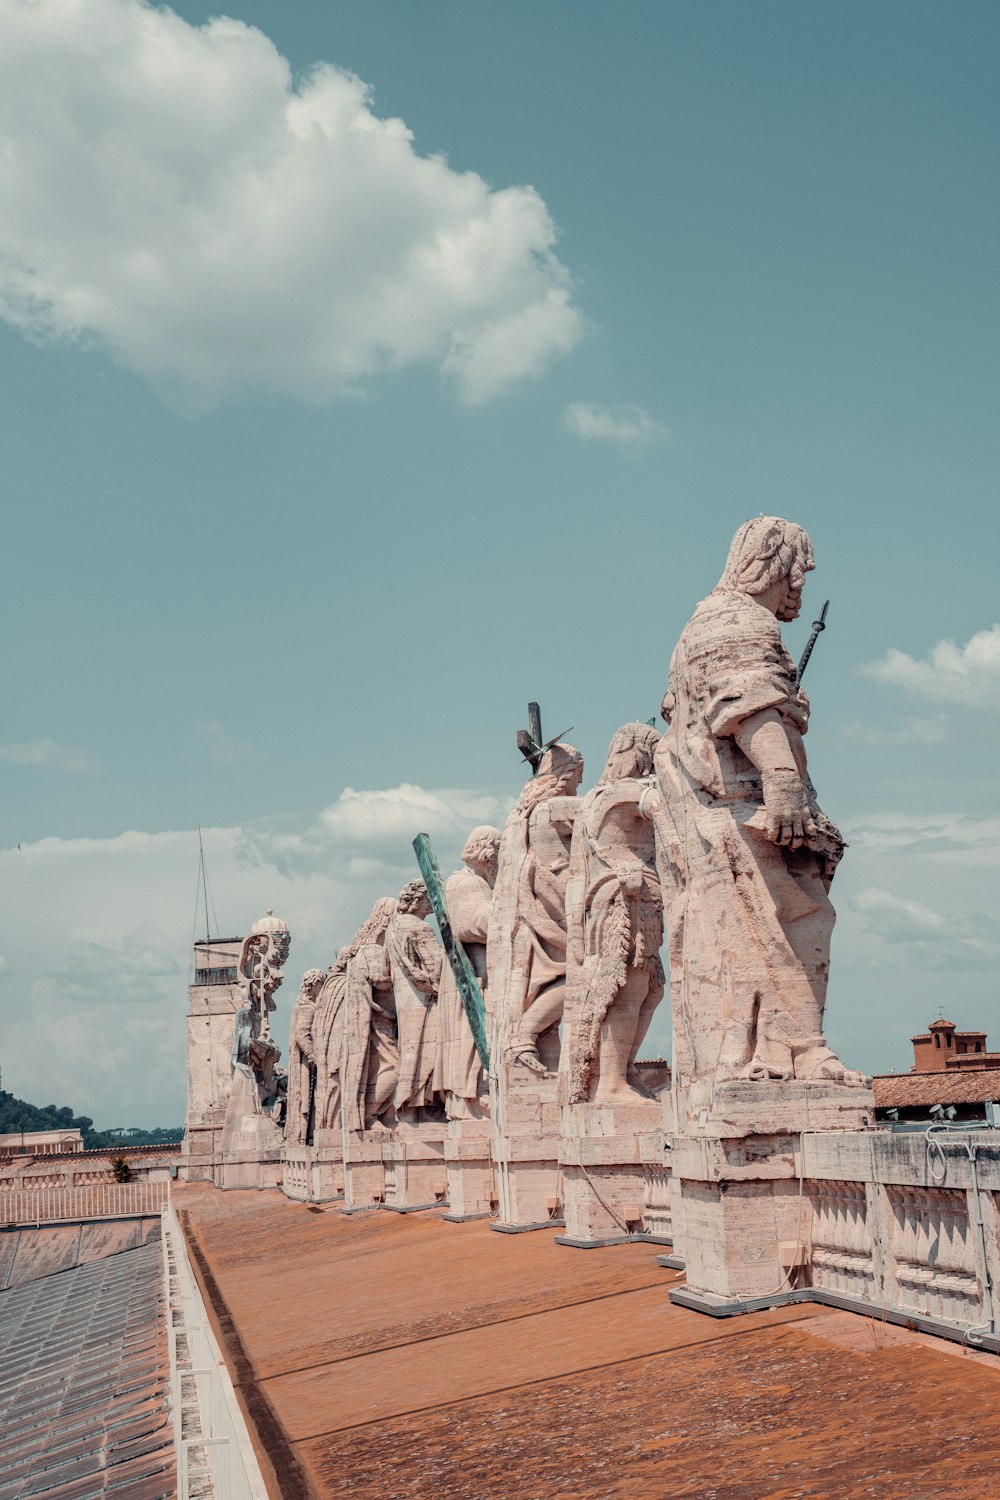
(204, 882)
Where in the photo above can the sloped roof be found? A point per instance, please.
(84, 1382)
(945, 1086)
(397, 1355)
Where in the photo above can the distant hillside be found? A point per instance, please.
(17, 1114)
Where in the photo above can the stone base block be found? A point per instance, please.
(364, 1169)
(603, 1150)
(239, 1170)
(472, 1190)
(738, 1237)
(415, 1171)
(739, 1108)
(530, 1191)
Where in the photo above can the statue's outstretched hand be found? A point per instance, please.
(787, 819)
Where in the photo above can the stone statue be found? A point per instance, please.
(526, 948)
(328, 1042)
(302, 1061)
(468, 895)
(369, 1045)
(259, 1086)
(747, 856)
(614, 919)
(415, 957)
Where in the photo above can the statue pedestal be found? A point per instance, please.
(415, 1172)
(525, 1142)
(364, 1169)
(605, 1151)
(251, 1155)
(314, 1174)
(739, 1167)
(472, 1191)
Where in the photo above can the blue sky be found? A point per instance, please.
(288, 512)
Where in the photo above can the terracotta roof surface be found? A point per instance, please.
(400, 1356)
(84, 1378)
(961, 1086)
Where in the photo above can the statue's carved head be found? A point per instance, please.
(263, 956)
(631, 753)
(482, 849)
(312, 982)
(560, 772)
(414, 900)
(767, 551)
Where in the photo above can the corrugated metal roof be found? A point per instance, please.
(84, 1383)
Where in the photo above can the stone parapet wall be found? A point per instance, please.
(904, 1222)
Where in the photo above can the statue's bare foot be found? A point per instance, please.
(821, 1065)
(527, 1057)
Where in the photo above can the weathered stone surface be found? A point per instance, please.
(415, 957)
(468, 897)
(614, 922)
(747, 855)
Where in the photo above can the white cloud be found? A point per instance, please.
(968, 675)
(46, 752)
(173, 195)
(98, 934)
(628, 425)
(935, 729)
(374, 830)
(937, 837)
(971, 939)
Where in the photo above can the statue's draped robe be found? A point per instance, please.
(468, 896)
(749, 921)
(415, 955)
(328, 1044)
(614, 921)
(526, 949)
(370, 1051)
(299, 1072)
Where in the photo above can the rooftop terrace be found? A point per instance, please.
(397, 1355)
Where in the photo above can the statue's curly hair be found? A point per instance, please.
(482, 844)
(412, 895)
(311, 980)
(631, 753)
(762, 551)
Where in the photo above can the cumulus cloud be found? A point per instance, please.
(935, 729)
(968, 675)
(971, 939)
(46, 752)
(628, 425)
(939, 837)
(98, 934)
(174, 196)
(368, 831)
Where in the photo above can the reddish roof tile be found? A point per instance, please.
(958, 1086)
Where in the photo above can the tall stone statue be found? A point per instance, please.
(614, 918)
(368, 1053)
(415, 957)
(302, 1061)
(747, 855)
(526, 948)
(328, 1042)
(259, 1085)
(468, 895)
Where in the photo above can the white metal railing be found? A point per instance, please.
(100, 1200)
(215, 1456)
